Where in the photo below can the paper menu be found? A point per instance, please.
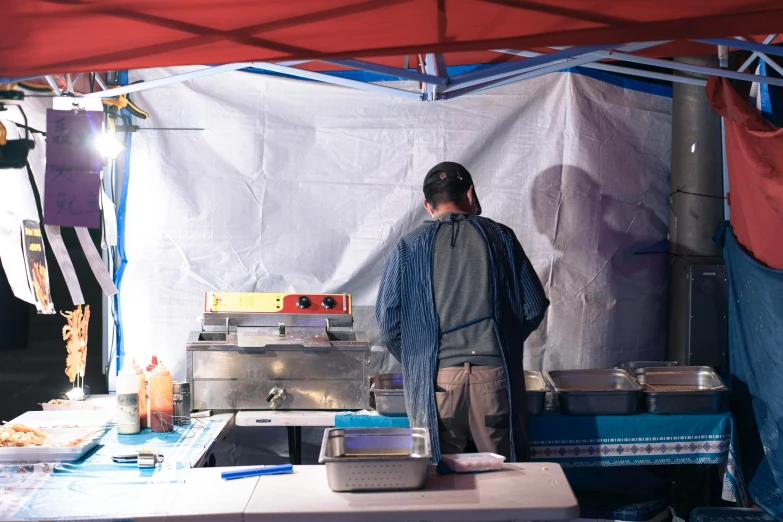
(37, 269)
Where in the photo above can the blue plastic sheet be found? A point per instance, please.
(365, 420)
(756, 361)
(95, 487)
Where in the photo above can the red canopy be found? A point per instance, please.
(56, 36)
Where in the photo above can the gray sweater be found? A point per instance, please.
(462, 295)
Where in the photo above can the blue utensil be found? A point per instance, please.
(256, 472)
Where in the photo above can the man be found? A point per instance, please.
(457, 299)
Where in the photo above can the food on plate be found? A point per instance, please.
(15, 435)
(75, 335)
(60, 402)
(20, 435)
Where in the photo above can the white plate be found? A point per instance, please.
(61, 426)
(64, 419)
(68, 406)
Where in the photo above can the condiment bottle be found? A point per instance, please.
(127, 401)
(143, 403)
(161, 400)
(147, 371)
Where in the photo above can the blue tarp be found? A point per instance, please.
(756, 361)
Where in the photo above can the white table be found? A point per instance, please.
(204, 495)
(519, 492)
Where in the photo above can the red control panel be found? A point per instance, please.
(270, 303)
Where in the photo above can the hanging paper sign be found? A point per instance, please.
(72, 199)
(70, 140)
(37, 270)
(73, 169)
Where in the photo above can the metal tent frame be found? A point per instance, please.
(435, 84)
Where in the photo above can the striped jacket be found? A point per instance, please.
(408, 322)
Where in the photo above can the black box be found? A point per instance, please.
(708, 310)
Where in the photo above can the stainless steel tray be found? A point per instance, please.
(595, 392)
(388, 395)
(389, 402)
(632, 366)
(376, 459)
(682, 389)
(388, 381)
(535, 387)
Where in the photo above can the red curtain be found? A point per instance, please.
(754, 152)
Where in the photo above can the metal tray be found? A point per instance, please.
(388, 381)
(682, 389)
(389, 402)
(376, 459)
(62, 427)
(595, 392)
(535, 387)
(388, 395)
(632, 366)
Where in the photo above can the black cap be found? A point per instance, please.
(451, 170)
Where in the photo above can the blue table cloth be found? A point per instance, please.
(639, 440)
(630, 440)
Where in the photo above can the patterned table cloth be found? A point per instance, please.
(639, 440)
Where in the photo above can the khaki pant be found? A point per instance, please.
(473, 404)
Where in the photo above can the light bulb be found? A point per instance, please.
(76, 394)
(108, 146)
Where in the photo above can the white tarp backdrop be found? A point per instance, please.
(303, 187)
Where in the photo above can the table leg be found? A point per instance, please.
(295, 445)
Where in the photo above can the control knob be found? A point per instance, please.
(329, 302)
(303, 302)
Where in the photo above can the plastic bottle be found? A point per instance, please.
(127, 401)
(147, 371)
(161, 400)
(143, 401)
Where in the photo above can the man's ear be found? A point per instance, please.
(471, 196)
(429, 207)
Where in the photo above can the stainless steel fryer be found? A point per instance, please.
(308, 359)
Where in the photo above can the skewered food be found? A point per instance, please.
(75, 335)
